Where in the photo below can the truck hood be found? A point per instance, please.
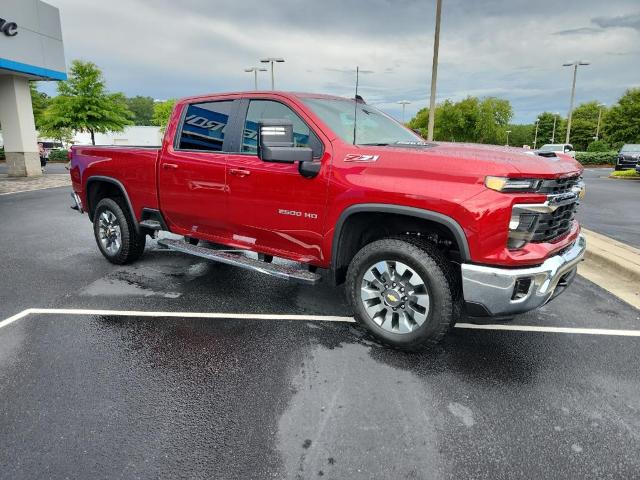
(477, 159)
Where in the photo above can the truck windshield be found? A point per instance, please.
(373, 126)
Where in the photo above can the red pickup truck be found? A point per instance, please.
(420, 232)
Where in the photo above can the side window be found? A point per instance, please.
(204, 126)
(268, 109)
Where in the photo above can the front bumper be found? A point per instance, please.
(490, 291)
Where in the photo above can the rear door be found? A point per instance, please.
(272, 208)
(192, 170)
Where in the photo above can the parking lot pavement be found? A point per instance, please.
(611, 206)
(105, 395)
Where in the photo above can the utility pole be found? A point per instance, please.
(601, 106)
(272, 60)
(508, 132)
(553, 134)
(404, 103)
(575, 66)
(535, 137)
(255, 71)
(434, 72)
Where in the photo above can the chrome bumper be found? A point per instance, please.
(77, 203)
(490, 291)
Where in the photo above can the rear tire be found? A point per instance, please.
(402, 292)
(115, 232)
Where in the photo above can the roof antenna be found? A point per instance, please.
(355, 106)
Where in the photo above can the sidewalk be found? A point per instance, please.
(613, 266)
(22, 184)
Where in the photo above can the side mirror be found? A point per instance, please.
(276, 144)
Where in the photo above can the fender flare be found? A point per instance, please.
(430, 215)
(117, 183)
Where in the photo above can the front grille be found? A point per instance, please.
(554, 224)
(559, 185)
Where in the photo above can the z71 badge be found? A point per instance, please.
(359, 157)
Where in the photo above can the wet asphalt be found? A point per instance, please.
(611, 207)
(99, 396)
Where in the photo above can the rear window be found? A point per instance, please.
(204, 126)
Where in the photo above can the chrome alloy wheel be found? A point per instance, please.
(394, 296)
(109, 232)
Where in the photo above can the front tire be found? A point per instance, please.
(115, 232)
(402, 292)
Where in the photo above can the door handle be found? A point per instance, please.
(169, 166)
(239, 172)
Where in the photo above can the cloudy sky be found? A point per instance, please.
(512, 49)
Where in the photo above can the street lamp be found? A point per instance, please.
(272, 60)
(575, 64)
(553, 134)
(508, 132)
(255, 71)
(601, 107)
(404, 103)
(434, 72)
(535, 137)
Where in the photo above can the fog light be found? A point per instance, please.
(521, 288)
(521, 229)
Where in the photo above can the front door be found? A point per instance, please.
(273, 208)
(191, 179)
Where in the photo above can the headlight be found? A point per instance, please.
(505, 184)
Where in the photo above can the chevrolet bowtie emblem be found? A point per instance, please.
(392, 298)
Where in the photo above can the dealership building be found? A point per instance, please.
(30, 49)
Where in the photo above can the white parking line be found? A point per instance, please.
(315, 318)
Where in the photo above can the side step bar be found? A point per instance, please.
(239, 260)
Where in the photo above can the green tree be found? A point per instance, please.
(40, 102)
(622, 121)
(545, 128)
(521, 134)
(469, 120)
(583, 125)
(84, 104)
(142, 109)
(162, 113)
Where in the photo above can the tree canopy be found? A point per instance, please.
(622, 122)
(84, 104)
(469, 120)
(142, 109)
(162, 113)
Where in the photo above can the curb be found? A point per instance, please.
(631, 179)
(612, 265)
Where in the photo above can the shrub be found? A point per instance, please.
(58, 155)
(597, 158)
(1, 153)
(599, 146)
(625, 174)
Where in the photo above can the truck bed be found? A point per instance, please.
(135, 167)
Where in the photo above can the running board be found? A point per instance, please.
(239, 260)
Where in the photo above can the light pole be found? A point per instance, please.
(508, 132)
(601, 105)
(434, 72)
(535, 136)
(404, 103)
(575, 64)
(553, 134)
(272, 60)
(255, 71)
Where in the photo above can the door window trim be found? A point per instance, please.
(227, 143)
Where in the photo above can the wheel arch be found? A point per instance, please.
(99, 187)
(352, 222)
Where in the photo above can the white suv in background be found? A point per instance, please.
(566, 148)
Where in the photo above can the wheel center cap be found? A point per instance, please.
(392, 297)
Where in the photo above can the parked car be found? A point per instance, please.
(628, 157)
(565, 148)
(419, 232)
